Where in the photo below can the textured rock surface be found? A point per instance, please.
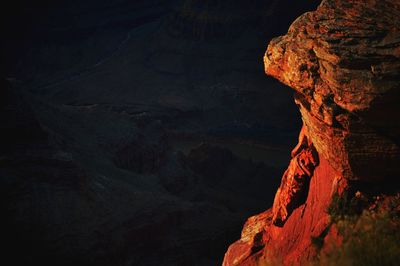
(295, 181)
(343, 62)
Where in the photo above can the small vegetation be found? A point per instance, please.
(345, 205)
(369, 227)
(317, 242)
(370, 238)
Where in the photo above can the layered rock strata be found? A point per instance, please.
(342, 60)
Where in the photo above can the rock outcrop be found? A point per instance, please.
(296, 180)
(343, 61)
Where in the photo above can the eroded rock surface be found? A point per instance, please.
(343, 62)
(295, 181)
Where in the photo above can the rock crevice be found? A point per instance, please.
(296, 180)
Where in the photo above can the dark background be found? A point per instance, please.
(139, 132)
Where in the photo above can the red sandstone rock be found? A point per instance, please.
(343, 60)
(295, 181)
(292, 242)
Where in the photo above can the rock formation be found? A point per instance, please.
(342, 60)
(296, 180)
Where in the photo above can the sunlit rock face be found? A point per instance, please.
(343, 62)
(283, 233)
(296, 180)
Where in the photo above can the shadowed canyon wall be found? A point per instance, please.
(138, 132)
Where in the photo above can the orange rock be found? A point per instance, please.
(295, 182)
(343, 61)
(292, 241)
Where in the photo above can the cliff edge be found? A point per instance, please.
(343, 61)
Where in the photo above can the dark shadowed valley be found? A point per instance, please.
(139, 132)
